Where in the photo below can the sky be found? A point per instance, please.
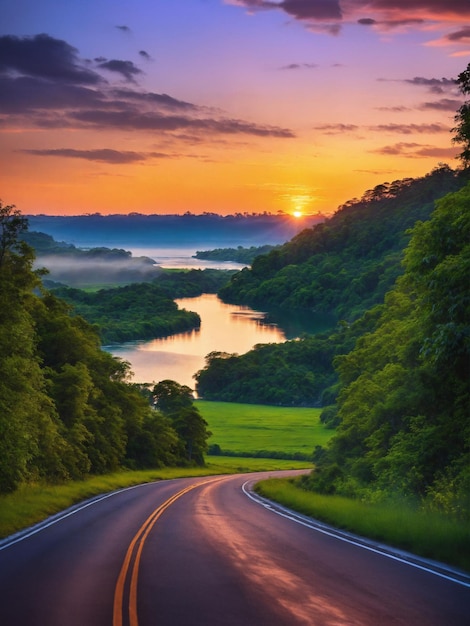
(224, 106)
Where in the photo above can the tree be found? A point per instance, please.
(30, 443)
(462, 118)
(12, 224)
(170, 397)
(176, 402)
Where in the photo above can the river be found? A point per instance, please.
(224, 328)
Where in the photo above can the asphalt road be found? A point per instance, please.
(200, 552)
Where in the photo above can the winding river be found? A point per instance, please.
(224, 328)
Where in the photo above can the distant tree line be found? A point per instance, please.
(182, 230)
(237, 255)
(74, 266)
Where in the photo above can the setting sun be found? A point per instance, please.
(297, 214)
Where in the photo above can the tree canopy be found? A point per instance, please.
(67, 408)
(345, 265)
(176, 402)
(462, 118)
(405, 387)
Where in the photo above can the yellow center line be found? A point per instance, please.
(140, 538)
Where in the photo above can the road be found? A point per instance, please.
(200, 552)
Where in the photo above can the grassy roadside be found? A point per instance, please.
(423, 533)
(397, 524)
(34, 502)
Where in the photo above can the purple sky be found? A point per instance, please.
(204, 105)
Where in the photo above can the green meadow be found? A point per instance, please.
(260, 430)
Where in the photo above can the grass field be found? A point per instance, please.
(254, 428)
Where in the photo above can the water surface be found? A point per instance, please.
(224, 328)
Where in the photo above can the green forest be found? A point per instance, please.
(394, 376)
(394, 381)
(137, 311)
(67, 408)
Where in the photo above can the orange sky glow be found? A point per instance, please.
(223, 106)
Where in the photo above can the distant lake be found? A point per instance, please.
(224, 328)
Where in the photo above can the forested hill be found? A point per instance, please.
(346, 264)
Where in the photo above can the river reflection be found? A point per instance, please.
(224, 328)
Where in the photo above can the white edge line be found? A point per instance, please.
(294, 517)
(40, 526)
(58, 517)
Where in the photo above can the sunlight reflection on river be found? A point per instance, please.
(224, 328)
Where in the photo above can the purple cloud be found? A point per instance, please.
(125, 68)
(44, 57)
(102, 155)
(44, 79)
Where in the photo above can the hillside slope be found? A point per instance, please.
(346, 264)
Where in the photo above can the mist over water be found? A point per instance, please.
(182, 258)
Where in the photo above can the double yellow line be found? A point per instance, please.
(130, 566)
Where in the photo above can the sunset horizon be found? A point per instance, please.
(226, 107)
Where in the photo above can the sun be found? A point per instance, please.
(297, 214)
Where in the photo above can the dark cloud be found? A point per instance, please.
(410, 129)
(44, 57)
(391, 24)
(404, 129)
(416, 150)
(380, 14)
(43, 79)
(23, 94)
(145, 55)
(312, 9)
(336, 129)
(159, 99)
(395, 109)
(125, 68)
(102, 155)
(124, 29)
(299, 9)
(155, 121)
(299, 66)
(445, 104)
(460, 35)
(435, 85)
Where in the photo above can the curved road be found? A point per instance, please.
(201, 552)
